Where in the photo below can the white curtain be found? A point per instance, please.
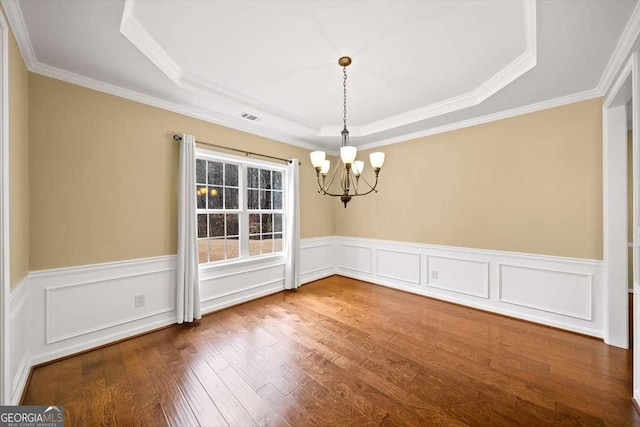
(188, 282)
(292, 227)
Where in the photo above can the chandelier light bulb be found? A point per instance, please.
(358, 167)
(317, 158)
(348, 154)
(326, 165)
(376, 159)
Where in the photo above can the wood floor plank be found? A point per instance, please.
(283, 406)
(228, 405)
(250, 400)
(342, 352)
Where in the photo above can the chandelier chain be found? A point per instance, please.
(344, 104)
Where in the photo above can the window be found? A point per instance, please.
(264, 190)
(240, 207)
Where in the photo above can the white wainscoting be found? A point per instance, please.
(317, 258)
(464, 276)
(398, 266)
(63, 311)
(78, 308)
(532, 287)
(562, 292)
(354, 256)
(20, 322)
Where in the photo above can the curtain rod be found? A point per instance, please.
(177, 137)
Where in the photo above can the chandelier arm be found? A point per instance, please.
(333, 175)
(367, 182)
(354, 180)
(324, 190)
(372, 188)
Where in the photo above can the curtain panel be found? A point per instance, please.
(292, 227)
(188, 281)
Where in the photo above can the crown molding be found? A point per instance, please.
(131, 28)
(219, 119)
(506, 76)
(19, 28)
(531, 108)
(623, 48)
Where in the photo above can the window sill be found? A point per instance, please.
(271, 259)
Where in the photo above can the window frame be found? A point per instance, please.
(243, 211)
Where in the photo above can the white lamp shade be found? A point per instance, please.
(317, 158)
(377, 159)
(326, 165)
(348, 154)
(358, 167)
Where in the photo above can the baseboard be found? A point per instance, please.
(19, 328)
(21, 379)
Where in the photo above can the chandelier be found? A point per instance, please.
(351, 172)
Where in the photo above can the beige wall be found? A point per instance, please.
(103, 173)
(103, 176)
(531, 183)
(18, 164)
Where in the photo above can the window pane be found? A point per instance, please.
(201, 196)
(277, 180)
(201, 171)
(277, 200)
(254, 245)
(277, 242)
(202, 225)
(203, 256)
(267, 223)
(231, 198)
(254, 223)
(252, 202)
(252, 177)
(215, 197)
(233, 248)
(267, 243)
(277, 223)
(216, 249)
(231, 175)
(265, 199)
(214, 172)
(216, 225)
(265, 178)
(232, 225)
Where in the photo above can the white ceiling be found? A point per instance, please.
(419, 66)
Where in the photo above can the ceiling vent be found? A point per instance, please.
(249, 117)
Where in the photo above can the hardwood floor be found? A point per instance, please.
(344, 352)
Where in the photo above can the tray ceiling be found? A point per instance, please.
(417, 65)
